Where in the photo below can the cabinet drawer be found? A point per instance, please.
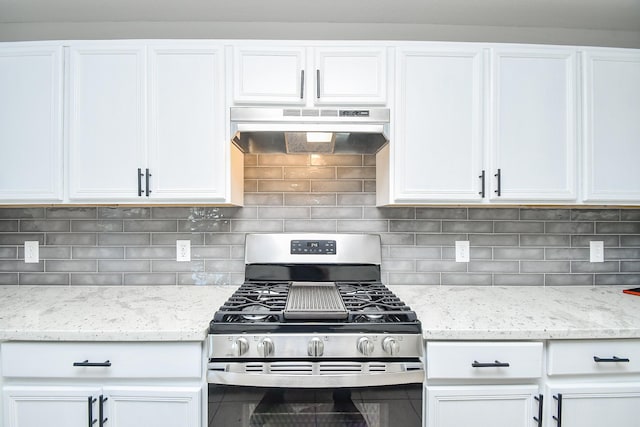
(125, 360)
(594, 357)
(484, 360)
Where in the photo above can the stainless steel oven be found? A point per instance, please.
(313, 338)
(238, 406)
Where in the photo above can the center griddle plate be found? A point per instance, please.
(314, 301)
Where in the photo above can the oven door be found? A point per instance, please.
(382, 406)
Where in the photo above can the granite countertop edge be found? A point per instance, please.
(182, 313)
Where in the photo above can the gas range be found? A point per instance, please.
(313, 306)
(261, 306)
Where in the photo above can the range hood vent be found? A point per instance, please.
(305, 130)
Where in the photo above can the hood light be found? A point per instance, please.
(319, 136)
(309, 142)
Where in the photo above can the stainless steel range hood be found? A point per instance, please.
(308, 130)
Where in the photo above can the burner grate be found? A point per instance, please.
(266, 303)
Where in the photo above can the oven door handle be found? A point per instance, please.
(315, 381)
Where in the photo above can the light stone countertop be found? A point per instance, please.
(158, 313)
(131, 313)
(523, 313)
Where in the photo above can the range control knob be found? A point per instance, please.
(315, 348)
(365, 346)
(390, 346)
(240, 346)
(266, 347)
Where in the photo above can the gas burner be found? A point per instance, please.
(374, 313)
(254, 313)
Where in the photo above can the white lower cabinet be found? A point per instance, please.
(153, 406)
(35, 406)
(54, 406)
(594, 404)
(482, 406)
(102, 384)
(483, 384)
(593, 383)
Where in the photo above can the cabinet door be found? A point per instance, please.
(269, 75)
(31, 124)
(350, 76)
(584, 405)
(533, 140)
(481, 406)
(437, 153)
(33, 406)
(106, 123)
(611, 126)
(153, 406)
(188, 150)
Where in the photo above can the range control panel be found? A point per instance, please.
(315, 247)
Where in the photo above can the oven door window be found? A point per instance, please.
(396, 406)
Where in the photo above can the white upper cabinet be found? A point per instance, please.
(436, 153)
(533, 125)
(187, 144)
(611, 125)
(147, 123)
(482, 124)
(269, 76)
(350, 76)
(107, 141)
(31, 123)
(299, 75)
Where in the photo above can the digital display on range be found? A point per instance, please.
(315, 247)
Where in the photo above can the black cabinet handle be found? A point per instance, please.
(494, 364)
(301, 84)
(558, 417)
(90, 402)
(148, 175)
(538, 419)
(101, 411)
(140, 174)
(318, 84)
(499, 176)
(611, 359)
(86, 363)
(483, 178)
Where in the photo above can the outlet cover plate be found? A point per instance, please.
(183, 250)
(462, 251)
(32, 252)
(596, 251)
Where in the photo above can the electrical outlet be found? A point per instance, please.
(183, 250)
(462, 251)
(32, 252)
(596, 251)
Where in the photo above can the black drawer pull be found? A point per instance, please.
(140, 175)
(483, 178)
(538, 419)
(91, 401)
(86, 363)
(499, 176)
(558, 417)
(101, 416)
(612, 359)
(494, 364)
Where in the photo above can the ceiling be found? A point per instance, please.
(607, 15)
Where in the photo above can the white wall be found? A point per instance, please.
(325, 31)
